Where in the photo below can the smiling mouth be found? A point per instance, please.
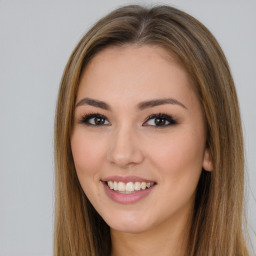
(129, 187)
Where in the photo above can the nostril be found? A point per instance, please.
(125, 157)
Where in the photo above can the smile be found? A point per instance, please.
(129, 187)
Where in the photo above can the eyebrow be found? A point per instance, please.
(157, 102)
(94, 103)
(141, 106)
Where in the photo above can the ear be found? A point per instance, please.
(207, 161)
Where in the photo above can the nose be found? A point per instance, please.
(125, 149)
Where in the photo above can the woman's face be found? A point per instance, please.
(138, 140)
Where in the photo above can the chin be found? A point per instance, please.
(128, 223)
(128, 228)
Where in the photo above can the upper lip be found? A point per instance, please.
(126, 179)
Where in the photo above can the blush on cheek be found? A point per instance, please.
(178, 155)
(86, 155)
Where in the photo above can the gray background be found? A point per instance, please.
(36, 39)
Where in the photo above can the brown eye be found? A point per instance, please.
(160, 120)
(95, 120)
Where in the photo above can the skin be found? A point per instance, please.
(127, 144)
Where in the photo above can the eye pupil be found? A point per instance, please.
(99, 120)
(160, 121)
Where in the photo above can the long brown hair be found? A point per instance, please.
(217, 226)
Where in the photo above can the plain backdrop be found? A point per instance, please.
(36, 39)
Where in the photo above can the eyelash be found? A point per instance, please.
(85, 119)
(162, 116)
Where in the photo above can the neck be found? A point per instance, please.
(168, 239)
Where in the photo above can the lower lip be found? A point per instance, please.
(127, 198)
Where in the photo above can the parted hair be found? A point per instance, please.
(218, 219)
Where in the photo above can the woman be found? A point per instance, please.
(148, 141)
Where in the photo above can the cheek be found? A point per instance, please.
(178, 161)
(87, 153)
(180, 154)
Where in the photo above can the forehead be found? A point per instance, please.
(132, 63)
(145, 50)
(133, 54)
(125, 76)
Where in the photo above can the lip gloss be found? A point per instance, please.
(127, 198)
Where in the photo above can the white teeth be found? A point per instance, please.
(121, 186)
(115, 185)
(143, 185)
(111, 184)
(137, 186)
(129, 187)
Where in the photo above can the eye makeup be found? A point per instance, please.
(94, 119)
(159, 120)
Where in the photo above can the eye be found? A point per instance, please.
(160, 120)
(94, 120)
